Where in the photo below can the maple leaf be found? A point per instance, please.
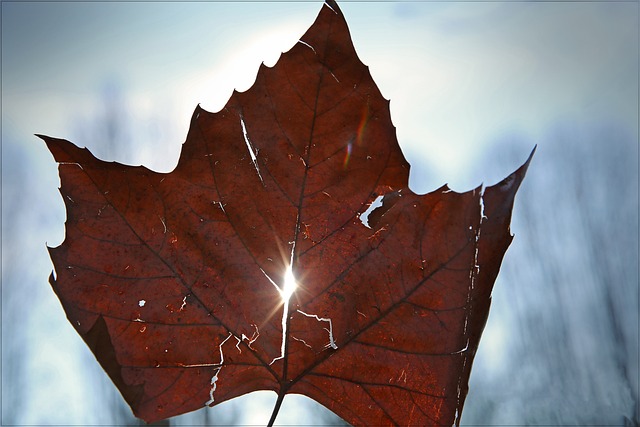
(262, 262)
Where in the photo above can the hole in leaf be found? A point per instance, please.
(252, 151)
(364, 216)
(378, 208)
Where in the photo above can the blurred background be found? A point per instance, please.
(473, 87)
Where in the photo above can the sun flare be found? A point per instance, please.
(290, 284)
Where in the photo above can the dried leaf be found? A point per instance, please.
(176, 281)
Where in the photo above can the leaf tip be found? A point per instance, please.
(511, 183)
(525, 165)
(48, 140)
(333, 5)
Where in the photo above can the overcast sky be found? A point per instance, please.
(460, 76)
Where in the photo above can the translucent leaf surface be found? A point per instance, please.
(177, 281)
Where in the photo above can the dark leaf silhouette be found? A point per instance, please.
(177, 281)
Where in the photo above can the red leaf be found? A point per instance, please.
(174, 280)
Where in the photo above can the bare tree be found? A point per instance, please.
(568, 295)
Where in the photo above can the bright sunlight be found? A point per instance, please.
(290, 284)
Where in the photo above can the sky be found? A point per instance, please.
(461, 76)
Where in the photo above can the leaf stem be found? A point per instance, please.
(276, 408)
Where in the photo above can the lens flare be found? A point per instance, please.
(362, 126)
(347, 155)
(364, 120)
